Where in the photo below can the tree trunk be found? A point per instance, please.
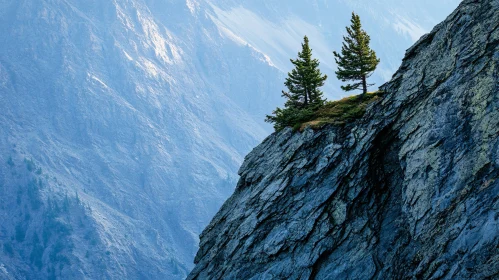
(364, 84)
(306, 98)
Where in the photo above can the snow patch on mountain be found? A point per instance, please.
(238, 40)
(276, 40)
(193, 6)
(163, 48)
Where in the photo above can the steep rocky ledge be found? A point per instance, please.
(408, 192)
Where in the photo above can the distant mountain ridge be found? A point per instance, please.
(130, 108)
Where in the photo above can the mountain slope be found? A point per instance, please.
(124, 109)
(408, 191)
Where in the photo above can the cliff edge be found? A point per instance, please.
(408, 191)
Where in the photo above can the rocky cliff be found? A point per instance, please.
(408, 191)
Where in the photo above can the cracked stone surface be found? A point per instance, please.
(410, 191)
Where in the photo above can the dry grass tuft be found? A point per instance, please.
(342, 111)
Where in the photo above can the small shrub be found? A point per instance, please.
(20, 233)
(289, 117)
(34, 195)
(19, 196)
(8, 249)
(36, 255)
(10, 162)
(30, 165)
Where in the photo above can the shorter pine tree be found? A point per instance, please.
(357, 60)
(304, 95)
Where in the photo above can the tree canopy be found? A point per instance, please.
(357, 60)
(304, 95)
(305, 104)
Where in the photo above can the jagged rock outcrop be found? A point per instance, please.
(410, 191)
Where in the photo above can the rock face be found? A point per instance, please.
(408, 191)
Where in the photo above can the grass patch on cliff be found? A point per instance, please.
(340, 112)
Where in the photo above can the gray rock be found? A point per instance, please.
(410, 191)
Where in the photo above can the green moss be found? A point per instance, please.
(342, 111)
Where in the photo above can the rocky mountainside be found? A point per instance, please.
(135, 107)
(410, 191)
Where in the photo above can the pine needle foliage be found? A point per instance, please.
(304, 95)
(357, 60)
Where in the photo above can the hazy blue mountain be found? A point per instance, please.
(124, 121)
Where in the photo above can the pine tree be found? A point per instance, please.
(357, 60)
(304, 81)
(304, 94)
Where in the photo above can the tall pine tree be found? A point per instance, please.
(357, 60)
(305, 80)
(304, 95)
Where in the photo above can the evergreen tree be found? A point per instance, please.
(357, 60)
(304, 94)
(304, 81)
